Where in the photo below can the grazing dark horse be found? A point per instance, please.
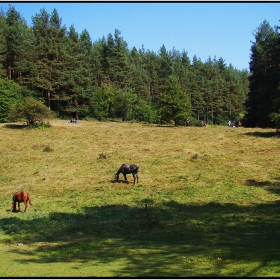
(128, 169)
(21, 197)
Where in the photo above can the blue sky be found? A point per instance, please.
(202, 29)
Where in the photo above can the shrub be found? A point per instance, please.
(144, 112)
(275, 117)
(34, 112)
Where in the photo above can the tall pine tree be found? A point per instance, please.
(264, 78)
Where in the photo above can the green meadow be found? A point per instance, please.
(206, 205)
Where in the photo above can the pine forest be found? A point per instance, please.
(76, 76)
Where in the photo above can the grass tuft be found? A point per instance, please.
(47, 148)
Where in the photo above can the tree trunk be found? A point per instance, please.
(49, 99)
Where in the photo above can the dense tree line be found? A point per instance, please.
(103, 79)
(264, 97)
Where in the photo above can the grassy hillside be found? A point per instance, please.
(207, 203)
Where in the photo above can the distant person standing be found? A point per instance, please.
(188, 122)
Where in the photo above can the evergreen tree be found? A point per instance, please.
(9, 96)
(217, 90)
(275, 114)
(3, 45)
(123, 69)
(139, 78)
(197, 89)
(41, 72)
(173, 103)
(15, 43)
(97, 61)
(150, 64)
(238, 87)
(165, 67)
(124, 103)
(143, 109)
(75, 79)
(48, 60)
(264, 78)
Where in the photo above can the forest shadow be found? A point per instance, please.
(263, 134)
(151, 239)
(165, 125)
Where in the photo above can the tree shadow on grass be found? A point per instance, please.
(176, 246)
(273, 187)
(263, 134)
(15, 126)
(254, 183)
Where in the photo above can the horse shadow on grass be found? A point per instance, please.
(154, 240)
(12, 211)
(119, 181)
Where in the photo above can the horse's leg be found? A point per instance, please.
(19, 206)
(13, 206)
(125, 177)
(134, 177)
(25, 204)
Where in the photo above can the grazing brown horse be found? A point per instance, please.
(21, 197)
